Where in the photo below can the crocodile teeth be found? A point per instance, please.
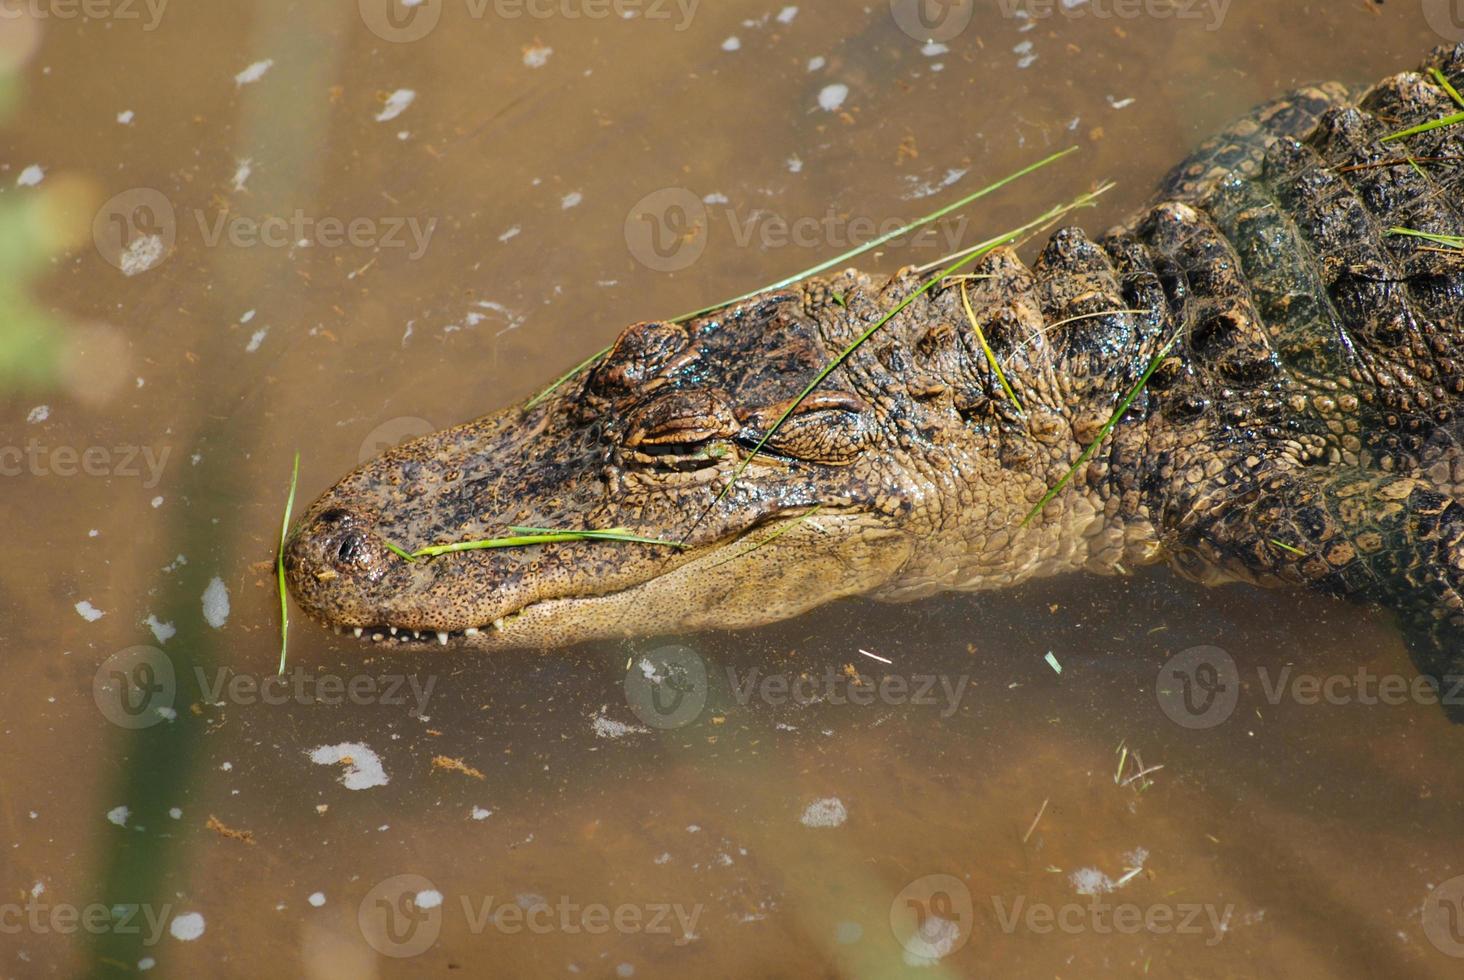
(358, 631)
(471, 631)
(498, 623)
(392, 629)
(442, 637)
(376, 637)
(337, 630)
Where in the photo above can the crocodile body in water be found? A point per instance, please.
(1303, 430)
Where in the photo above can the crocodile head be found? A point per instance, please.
(646, 440)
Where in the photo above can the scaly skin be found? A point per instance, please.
(1303, 430)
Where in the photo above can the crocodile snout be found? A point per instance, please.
(336, 543)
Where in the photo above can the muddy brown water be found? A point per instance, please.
(469, 182)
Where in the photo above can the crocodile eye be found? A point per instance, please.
(692, 431)
(680, 423)
(826, 427)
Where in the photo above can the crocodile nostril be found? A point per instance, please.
(334, 516)
(351, 547)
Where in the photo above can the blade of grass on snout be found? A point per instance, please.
(877, 242)
(822, 266)
(1103, 433)
(532, 536)
(611, 534)
(778, 533)
(280, 564)
(968, 256)
(1427, 127)
(1452, 241)
(565, 377)
(1457, 117)
(986, 349)
(1443, 80)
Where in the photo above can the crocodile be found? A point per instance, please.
(1295, 366)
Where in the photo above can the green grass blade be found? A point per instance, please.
(1427, 127)
(398, 550)
(536, 537)
(565, 377)
(1050, 327)
(970, 256)
(782, 530)
(877, 242)
(823, 266)
(1103, 433)
(986, 350)
(609, 534)
(517, 541)
(1453, 92)
(280, 564)
(1452, 241)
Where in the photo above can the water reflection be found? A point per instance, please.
(775, 802)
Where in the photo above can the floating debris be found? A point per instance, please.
(396, 104)
(186, 927)
(1035, 820)
(363, 768)
(253, 73)
(216, 603)
(832, 97)
(450, 764)
(827, 812)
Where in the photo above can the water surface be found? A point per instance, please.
(362, 233)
